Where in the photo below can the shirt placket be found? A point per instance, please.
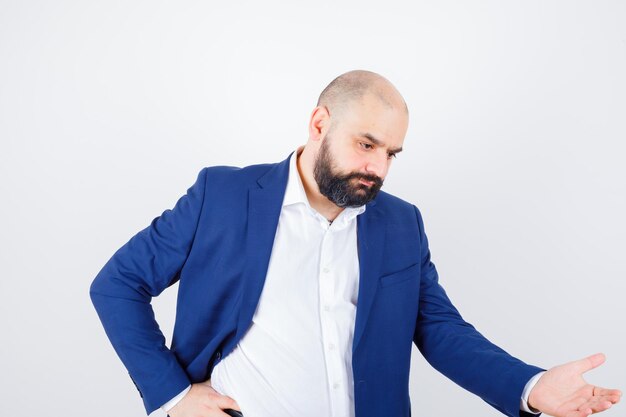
(332, 354)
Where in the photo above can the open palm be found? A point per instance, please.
(563, 392)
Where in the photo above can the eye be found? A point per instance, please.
(365, 145)
(391, 155)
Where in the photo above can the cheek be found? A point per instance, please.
(354, 164)
(348, 160)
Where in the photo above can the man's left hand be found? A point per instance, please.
(562, 391)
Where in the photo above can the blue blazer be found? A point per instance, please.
(216, 242)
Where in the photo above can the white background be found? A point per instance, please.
(515, 155)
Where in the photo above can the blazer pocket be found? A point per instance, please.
(405, 274)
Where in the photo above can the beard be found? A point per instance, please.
(344, 190)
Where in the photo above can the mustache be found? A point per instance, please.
(378, 182)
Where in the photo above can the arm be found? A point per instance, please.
(121, 293)
(457, 350)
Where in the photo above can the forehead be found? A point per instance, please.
(370, 115)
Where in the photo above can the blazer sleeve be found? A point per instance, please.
(457, 350)
(121, 293)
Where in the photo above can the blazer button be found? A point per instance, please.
(218, 355)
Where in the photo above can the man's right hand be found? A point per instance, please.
(203, 401)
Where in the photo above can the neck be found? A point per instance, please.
(305, 162)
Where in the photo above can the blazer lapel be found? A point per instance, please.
(264, 206)
(371, 242)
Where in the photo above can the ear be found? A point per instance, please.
(319, 123)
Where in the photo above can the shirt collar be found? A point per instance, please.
(294, 193)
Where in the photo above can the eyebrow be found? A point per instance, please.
(379, 142)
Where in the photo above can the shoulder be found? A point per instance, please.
(225, 175)
(401, 216)
(394, 207)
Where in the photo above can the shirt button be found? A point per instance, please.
(335, 386)
(326, 270)
(326, 307)
(331, 346)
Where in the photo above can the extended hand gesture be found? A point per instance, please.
(562, 391)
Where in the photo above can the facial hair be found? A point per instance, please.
(339, 188)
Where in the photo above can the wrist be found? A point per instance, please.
(529, 402)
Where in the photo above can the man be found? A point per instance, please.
(302, 288)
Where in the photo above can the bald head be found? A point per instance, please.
(352, 86)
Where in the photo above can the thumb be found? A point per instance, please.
(226, 402)
(590, 362)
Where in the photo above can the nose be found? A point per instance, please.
(377, 165)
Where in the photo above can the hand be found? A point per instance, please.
(203, 401)
(562, 391)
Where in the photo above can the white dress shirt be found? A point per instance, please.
(295, 360)
(296, 357)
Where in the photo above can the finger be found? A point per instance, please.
(606, 392)
(597, 405)
(574, 404)
(224, 402)
(616, 397)
(582, 403)
(590, 362)
(602, 406)
(584, 413)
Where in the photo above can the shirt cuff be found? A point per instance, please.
(171, 403)
(524, 406)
